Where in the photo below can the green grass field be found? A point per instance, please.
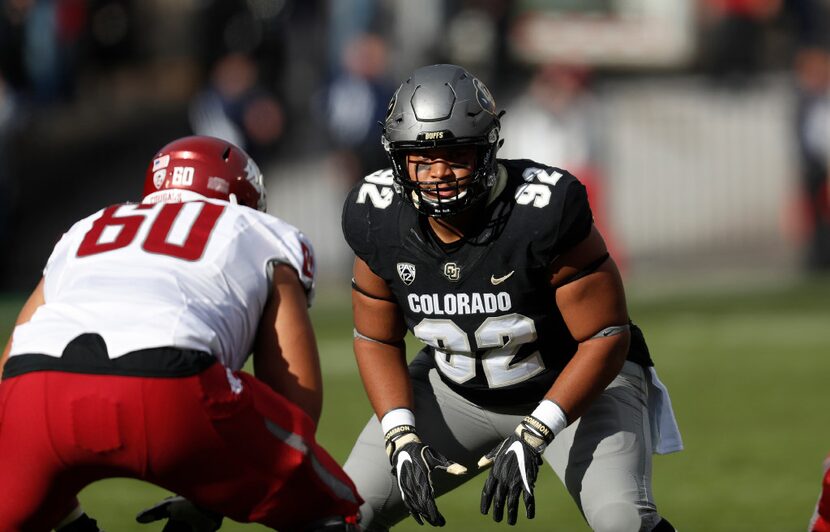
(748, 372)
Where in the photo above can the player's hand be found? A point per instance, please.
(515, 463)
(182, 516)
(412, 464)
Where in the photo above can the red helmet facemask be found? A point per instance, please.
(200, 167)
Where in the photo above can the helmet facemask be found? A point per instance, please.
(446, 197)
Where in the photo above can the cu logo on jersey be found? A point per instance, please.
(406, 271)
(452, 271)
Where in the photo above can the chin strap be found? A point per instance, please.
(498, 186)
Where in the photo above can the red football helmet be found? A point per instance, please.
(199, 167)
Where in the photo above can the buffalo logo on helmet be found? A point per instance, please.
(406, 271)
(485, 99)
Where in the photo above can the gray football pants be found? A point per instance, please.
(604, 458)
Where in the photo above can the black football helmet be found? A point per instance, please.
(442, 106)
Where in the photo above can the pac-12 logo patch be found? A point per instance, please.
(406, 271)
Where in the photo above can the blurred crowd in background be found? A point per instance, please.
(623, 93)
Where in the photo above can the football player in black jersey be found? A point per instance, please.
(496, 266)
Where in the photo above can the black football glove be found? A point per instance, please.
(182, 516)
(515, 463)
(412, 464)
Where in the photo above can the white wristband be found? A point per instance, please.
(395, 418)
(551, 415)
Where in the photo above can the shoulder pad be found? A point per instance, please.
(367, 212)
(555, 205)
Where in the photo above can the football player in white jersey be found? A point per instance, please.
(496, 266)
(126, 360)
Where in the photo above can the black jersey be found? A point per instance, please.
(484, 305)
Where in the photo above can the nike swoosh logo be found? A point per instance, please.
(403, 457)
(499, 280)
(517, 449)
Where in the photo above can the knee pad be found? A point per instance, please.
(615, 517)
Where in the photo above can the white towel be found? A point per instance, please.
(665, 435)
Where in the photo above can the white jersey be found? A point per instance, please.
(192, 275)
